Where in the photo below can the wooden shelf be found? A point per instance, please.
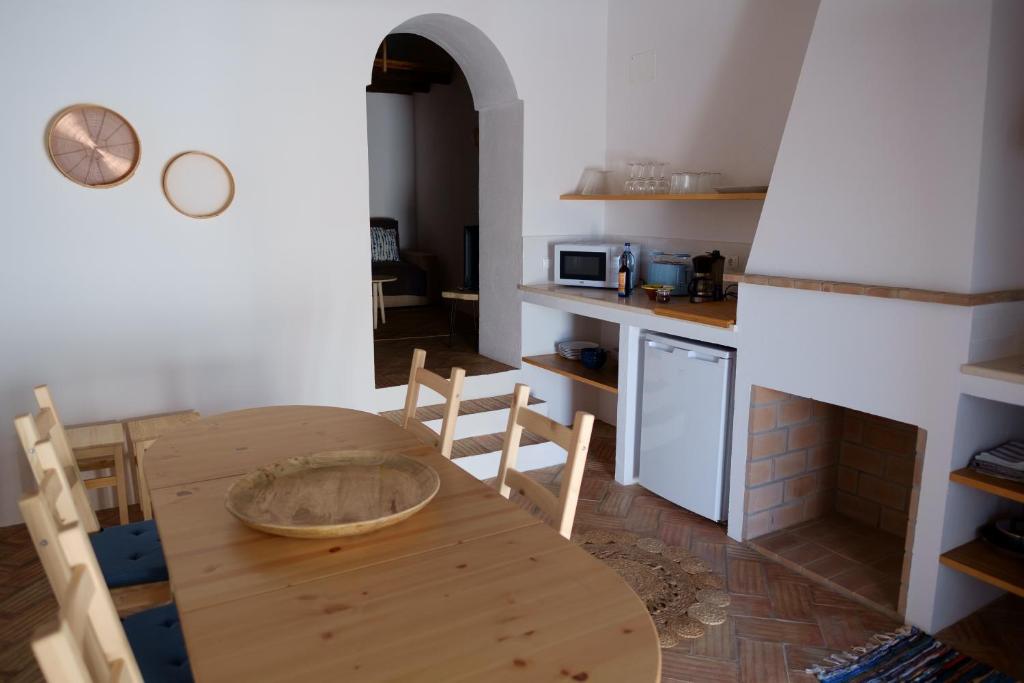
(1001, 487)
(1008, 369)
(985, 563)
(606, 379)
(1001, 379)
(709, 196)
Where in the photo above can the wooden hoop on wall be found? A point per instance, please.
(227, 172)
(88, 142)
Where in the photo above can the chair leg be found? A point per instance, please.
(451, 322)
(122, 484)
(373, 302)
(380, 300)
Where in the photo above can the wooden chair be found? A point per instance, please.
(450, 389)
(575, 441)
(129, 556)
(47, 425)
(62, 546)
(143, 433)
(145, 645)
(70, 649)
(100, 446)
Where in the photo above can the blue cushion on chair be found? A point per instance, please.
(159, 646)
(130, 554)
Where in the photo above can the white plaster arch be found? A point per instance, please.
(501, 176)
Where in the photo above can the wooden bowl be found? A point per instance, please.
(336, 493)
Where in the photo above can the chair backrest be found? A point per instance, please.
(143, 433)
(46, 424)
(63, 545)
(450, 389)
(575, 441)
(70, 649)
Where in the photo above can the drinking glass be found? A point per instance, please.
(634, 172)
(662, 187)
(684, 182)
(650, 180)
(709, 181)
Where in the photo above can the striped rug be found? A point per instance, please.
(906, 655)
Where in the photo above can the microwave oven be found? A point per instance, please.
(589, 265)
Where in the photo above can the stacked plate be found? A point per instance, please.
(572, 349)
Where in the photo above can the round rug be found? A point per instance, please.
(670, 580)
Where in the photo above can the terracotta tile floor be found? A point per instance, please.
(847, 554)
(780, 622)
(425, 327)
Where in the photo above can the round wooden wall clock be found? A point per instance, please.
(198, 184)
(93, 146)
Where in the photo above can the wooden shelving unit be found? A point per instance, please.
(606, 379)
(709, 196)
(985, 563)
(1001, 379)
(994, 485)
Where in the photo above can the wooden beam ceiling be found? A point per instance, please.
(407, 64)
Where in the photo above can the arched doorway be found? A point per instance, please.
(500, 139)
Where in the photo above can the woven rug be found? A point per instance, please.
(906, 655)
(682, 594)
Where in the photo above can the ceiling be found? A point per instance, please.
(407, 64)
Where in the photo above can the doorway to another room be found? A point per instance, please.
(423, 141)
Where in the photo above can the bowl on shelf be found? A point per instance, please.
(593, 358)
(652, 289)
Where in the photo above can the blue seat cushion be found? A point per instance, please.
(130, 554)
(159, 646)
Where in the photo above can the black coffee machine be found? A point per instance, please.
(706, 284)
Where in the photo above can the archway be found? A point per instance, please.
(500, 176)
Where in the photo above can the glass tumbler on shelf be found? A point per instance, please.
(650, 180)
(634, 172)
(684, 182)
(662, 186)
(709, 181)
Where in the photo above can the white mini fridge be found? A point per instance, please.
(686, 422)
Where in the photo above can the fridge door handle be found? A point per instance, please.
(696, 355)
(661, 347)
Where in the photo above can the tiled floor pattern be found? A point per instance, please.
(780, 622)
(425, 327)
(848, 554)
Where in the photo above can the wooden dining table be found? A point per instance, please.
(470, 588)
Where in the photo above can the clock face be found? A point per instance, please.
(93, 146)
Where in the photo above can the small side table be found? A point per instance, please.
(455, 296)
(377, 297)
(100, 446)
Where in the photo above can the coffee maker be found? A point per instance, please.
(706, 284)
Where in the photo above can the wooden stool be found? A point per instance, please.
(100, 446)
(377, 294)
(455, 296)
(142, 432)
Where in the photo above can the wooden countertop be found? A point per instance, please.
(718, 314)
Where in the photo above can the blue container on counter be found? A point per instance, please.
(665, 268)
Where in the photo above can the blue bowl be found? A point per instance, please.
(593, 358)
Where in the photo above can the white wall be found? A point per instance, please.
(999, 242)
(447, 173)
(391, 138)
(125, 306)
(877, 175)
(724, 75)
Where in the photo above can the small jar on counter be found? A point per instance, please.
(664, 295)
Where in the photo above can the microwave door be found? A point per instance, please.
(585, 267)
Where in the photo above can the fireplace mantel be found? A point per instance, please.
(880, 291)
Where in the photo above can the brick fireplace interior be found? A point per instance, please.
(830, 492)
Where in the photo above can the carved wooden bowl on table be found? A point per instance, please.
(331, 494)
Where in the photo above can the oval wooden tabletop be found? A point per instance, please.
(469, 588)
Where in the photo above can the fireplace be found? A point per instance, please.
(830, 491)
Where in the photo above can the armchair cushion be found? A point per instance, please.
(130, 554)
(158, 644)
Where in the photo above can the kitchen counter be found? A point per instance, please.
(711, 322)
